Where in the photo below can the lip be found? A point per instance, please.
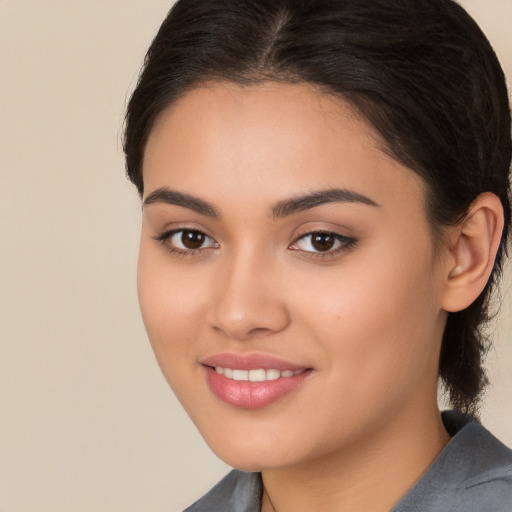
(247, 394)
(252, 361)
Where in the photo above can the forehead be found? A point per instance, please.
(269, 138)
(269, 106)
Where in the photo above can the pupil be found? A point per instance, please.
(192, 239)
(323, 242)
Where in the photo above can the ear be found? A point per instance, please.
(474, 243)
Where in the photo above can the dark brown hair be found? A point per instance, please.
(420, 71)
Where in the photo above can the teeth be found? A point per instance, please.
(240, 375)
(259, 375)
(273, 374)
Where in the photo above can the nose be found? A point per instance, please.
(249, 300)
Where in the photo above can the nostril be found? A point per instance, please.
(245, 307)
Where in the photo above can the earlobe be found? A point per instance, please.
(473, 250)
(456, 271)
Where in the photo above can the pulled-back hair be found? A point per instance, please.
(421, 72)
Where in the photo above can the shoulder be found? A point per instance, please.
(475, 455)
(473, 473)
(485, 467)
(236, 492)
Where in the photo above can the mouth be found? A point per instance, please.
(259, 375)
(252, 381)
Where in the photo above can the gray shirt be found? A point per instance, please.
(472, 474)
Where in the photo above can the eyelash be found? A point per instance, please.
(345, 243)
(164, 239)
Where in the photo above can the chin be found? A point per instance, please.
(250, 456)
(249, 462)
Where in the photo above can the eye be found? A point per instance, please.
(322, 242)
(186, 240)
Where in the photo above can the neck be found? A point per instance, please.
(371, 474)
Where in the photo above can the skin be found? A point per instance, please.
(368, 318)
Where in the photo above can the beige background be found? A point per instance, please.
(87, 422)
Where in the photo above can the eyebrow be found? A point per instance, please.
(281, 209)
(167, 196)
(308, 201)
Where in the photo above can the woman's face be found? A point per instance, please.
(286, 276)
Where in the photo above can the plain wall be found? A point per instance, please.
(87, 422)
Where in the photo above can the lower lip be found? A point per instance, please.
(252, 395)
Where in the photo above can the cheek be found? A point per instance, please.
(171, 308)
(170, 305)
(376, 318)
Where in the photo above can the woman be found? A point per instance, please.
(325, 213)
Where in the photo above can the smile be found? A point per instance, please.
(254, 380)
(259, 375)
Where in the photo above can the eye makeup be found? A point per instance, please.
(313, 244)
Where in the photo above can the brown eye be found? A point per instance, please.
(186, 240)
(192, 239)
(323, 241)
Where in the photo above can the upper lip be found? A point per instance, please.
(253, 361)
